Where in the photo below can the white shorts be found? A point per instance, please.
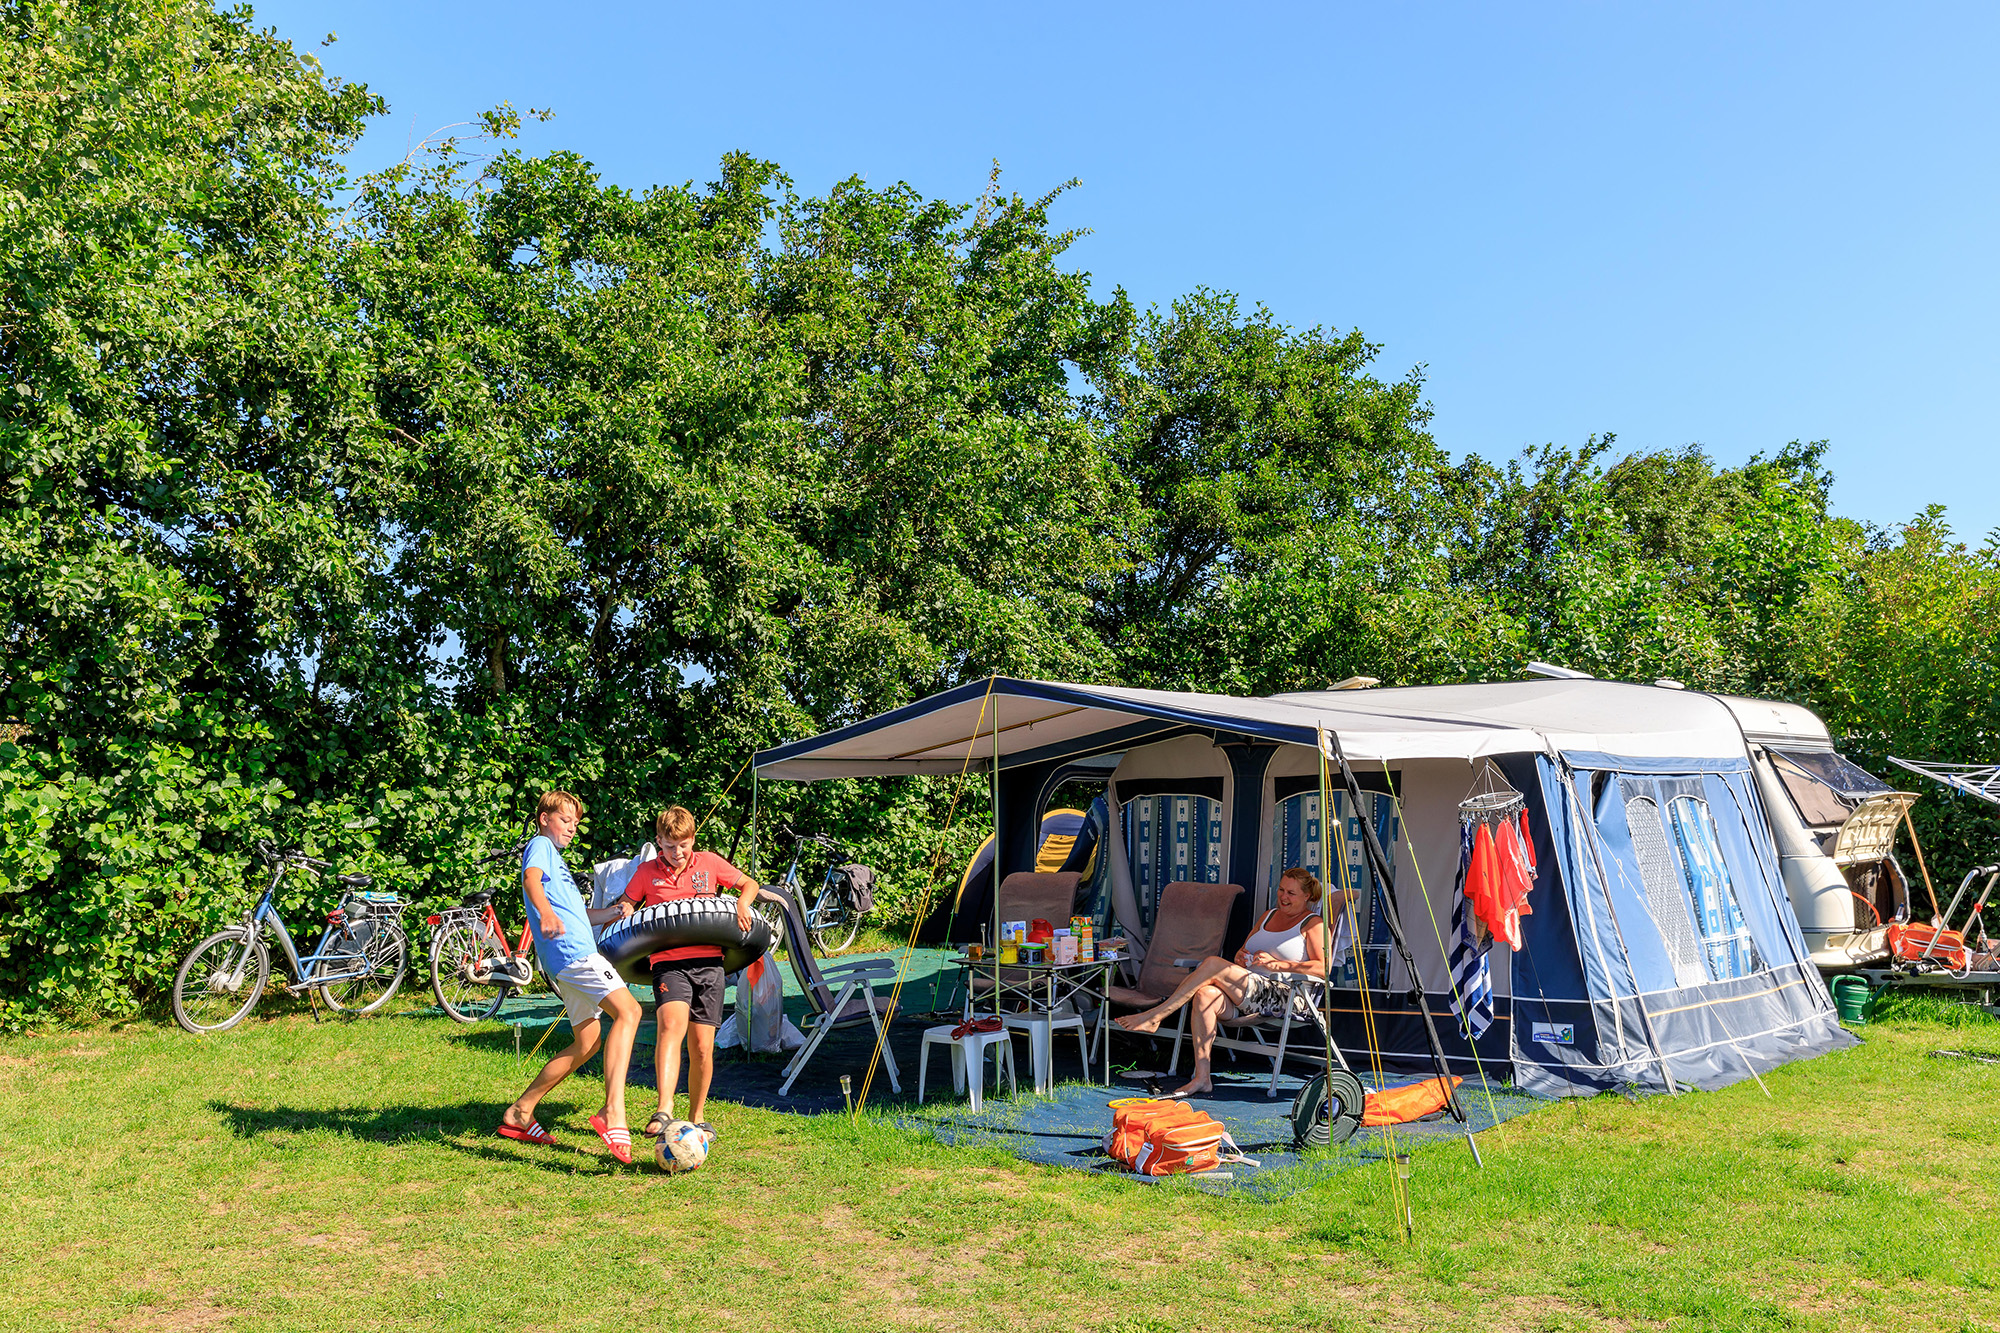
(584, 985)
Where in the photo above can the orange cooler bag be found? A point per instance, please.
(1133, 1120)
(1176, 1149)
(1908, 939)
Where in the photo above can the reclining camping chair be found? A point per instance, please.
(1305, 1019)
(1188, 927)
(840, 996)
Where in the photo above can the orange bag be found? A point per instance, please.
(1907, 940)
(1411, 1101)
(1165, 1138)
(1177, 1149)
(1134, 1119)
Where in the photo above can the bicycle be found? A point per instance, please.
(473, 970)
(356, 968)
(833, 918)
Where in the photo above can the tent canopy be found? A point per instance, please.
(1019, 722)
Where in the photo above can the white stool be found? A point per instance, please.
(1041, 1031)
(973, 1045)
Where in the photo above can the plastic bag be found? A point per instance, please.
(760, 1010)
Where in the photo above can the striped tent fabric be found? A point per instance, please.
(1471, 973)
(1173, 838)
(1300, 841)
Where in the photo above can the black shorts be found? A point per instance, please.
(694, 982)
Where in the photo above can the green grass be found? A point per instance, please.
(292, 1176)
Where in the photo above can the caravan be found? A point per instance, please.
(1659, 947)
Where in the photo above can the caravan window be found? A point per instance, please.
(1689, 890)
(1172, 838)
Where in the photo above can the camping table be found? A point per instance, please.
(1049, 984)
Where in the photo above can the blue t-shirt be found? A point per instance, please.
(578, 941)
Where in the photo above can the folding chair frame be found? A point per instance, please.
(1302, 988)
(853, 979)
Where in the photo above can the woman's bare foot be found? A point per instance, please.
(1144, 1023)
(1195, 1087)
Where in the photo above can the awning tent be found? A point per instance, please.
(1655, 860)
(1023, 722)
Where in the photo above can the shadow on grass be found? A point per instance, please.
(467, 1127)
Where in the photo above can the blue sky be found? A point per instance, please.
(1718, 224)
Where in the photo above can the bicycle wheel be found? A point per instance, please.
(218, 984)
(371, 972)
(458, 954)
(833, 922)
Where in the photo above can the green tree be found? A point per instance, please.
(185, 457)
(1259, 456)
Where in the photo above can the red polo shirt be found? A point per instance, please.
(704, 876)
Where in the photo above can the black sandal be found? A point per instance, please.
(658, 1124)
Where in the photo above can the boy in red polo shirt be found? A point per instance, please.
(687, 980)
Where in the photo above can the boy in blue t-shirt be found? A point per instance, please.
(587, 983)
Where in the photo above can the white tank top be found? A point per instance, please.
(1289, 945)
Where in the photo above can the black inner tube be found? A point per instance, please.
(671, 925)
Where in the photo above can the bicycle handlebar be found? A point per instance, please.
(273, 856)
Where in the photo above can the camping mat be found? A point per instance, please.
(1067, 1127)
(1063, 1128)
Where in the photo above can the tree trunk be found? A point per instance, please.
(496, 659)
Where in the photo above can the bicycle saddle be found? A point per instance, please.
(357, 881)
(478, 899)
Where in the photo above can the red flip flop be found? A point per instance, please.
(534, 1133)
(619, 1140)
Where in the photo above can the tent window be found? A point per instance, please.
(1172, 838)
(1664, 893)
(1298, 839)
(1725, 936)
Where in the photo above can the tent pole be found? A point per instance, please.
(993, 785)
(1378, 861)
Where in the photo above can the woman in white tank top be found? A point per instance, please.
(1291, 937)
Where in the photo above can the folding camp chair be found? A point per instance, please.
(839, 996)
(1308, 998)
(1188, 927)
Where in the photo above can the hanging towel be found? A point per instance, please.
(1471, 976)
(1517, 877)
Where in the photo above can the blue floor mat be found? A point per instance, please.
(1066, 1127)
(1063, 1128)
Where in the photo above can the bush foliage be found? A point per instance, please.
(355, 513)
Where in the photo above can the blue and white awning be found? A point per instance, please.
(1005, 723)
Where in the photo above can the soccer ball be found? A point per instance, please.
(682, 1148)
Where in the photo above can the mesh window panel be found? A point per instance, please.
(1664, 893)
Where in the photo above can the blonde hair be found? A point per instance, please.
(1308, 882)
(675, 824)
(553, 801)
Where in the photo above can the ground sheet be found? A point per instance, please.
(1063, 1128)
